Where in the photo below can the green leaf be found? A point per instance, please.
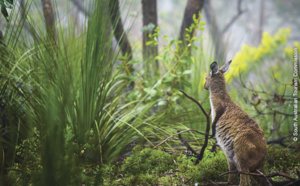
(152, 92)
(149, 43)
(202, 23)
(201, 28)
(4, 12)
(194, 18)
(133, 61)
(172, 42)
(169, 77)
(188, 59)
(187, 72)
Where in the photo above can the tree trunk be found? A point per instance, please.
(149, 9)
(261, 21)
(192, 7)
(119, 32)
(49, 19)
(216, 35)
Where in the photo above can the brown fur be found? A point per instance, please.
(237, 133)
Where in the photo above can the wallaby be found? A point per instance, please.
(236, 132)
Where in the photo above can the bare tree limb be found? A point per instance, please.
(201, 154)
(119, 32)
(280, 141)
(261, 20)
(194, 100)
(234, 18)
(216, 34)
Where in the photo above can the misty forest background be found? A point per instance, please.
(90, 90)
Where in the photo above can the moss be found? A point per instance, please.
(151, 167)
(282, 159)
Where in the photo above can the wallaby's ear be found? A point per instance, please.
(225, 67)
(214, 68)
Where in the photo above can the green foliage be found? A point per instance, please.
(177, 64)
(284, 160)
(68, 94)
(152, 167)
(4, 5)
(67, 116)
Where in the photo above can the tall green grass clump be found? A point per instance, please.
(61, 97)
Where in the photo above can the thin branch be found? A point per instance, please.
(270, 184)
(187, 145)
(255, 174)
(280, 141)
(234, 18)
(200, 156)
(262, 92)
(172, 136)
(194, 100)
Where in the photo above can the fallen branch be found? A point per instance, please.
(172, 136)
(255, 174)
(201, 154)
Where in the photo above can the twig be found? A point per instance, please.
(263, 91)
(187, 144)
(255, 174)
(264, 176)
(166, 139)
(194, 100)
(280, 141)
(234, 18)
(200, 156)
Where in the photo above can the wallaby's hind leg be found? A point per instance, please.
(245, 179)
(232, 178)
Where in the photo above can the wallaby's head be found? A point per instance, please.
(215, 78)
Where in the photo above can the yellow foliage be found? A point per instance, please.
(289, 51)
(250, 54)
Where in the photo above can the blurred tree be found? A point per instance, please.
(192, 7)
(24, 8)
(149, 8)
(49, 19)
(215, 31)
(80, 6)
(1, 38)
(119, 32)
(261, 20)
